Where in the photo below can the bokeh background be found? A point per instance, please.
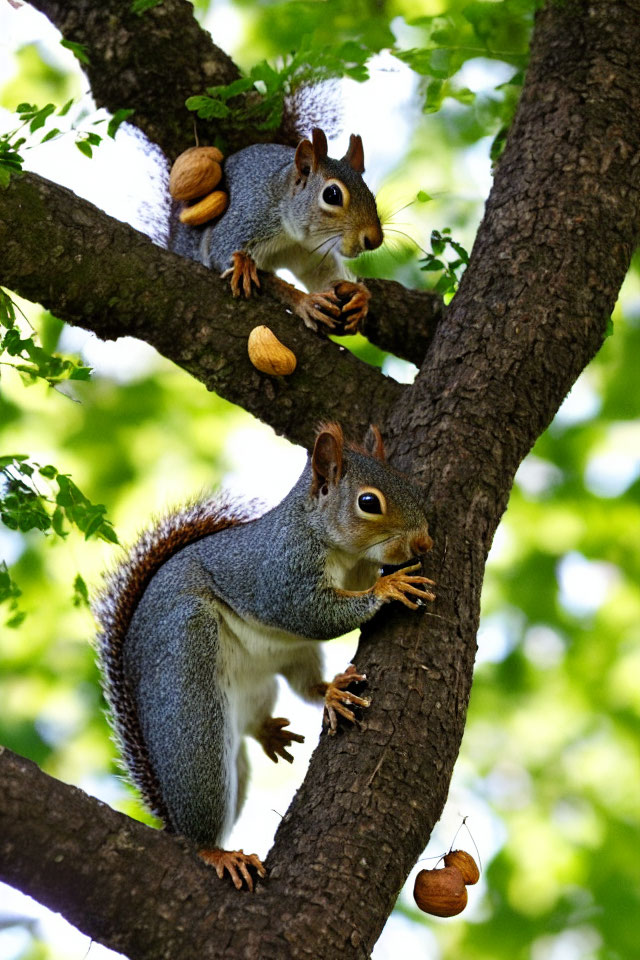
(549, 774)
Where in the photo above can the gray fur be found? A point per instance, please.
(227, 612)
(274, 216)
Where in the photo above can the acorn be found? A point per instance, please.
(440, 892)
(206, 209)
(268, 355)
(465, 864)
(196, 172)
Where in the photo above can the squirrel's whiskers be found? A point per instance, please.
(286, 204)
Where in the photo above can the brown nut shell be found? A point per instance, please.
(268, 355)
(465, 864)
(206, 209)
(196, 172)
(441, 893)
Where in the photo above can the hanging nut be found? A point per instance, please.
(465, 864)
(440, 892)
(206, 209)
(196, 172)
(268, 355)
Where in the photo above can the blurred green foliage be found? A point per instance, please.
(550, 764)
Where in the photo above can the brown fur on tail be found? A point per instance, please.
(115, 606)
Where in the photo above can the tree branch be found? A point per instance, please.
(149, 63)
(105, 276)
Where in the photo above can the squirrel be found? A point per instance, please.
(296, 209)
(213, 603)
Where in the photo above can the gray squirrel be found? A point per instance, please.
(211, 605)
(296, 209)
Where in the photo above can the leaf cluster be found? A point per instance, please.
(30, 359)
(450, 270)
(258, 98)
(35, 118)
(24, 506)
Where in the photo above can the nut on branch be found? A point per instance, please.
(268, 355)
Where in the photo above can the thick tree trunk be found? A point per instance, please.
(560, 226)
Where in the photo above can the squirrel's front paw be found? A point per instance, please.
(318, 308)
(396, 586)
(354, 300)
(336, 698)
(243, 273)
(274, 739)
(236, 863)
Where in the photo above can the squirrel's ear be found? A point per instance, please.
(320, 146)
(355, 154)
(373, 443)
(326, 459)
(309, 155)
(304, 159)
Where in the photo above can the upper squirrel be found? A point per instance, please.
(210, 605)
(296, 209)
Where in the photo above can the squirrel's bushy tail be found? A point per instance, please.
(115, 606)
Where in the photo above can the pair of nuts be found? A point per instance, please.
(443, 892)
(195, 174)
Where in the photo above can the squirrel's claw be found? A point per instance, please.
(396, 586)
(274, 739)
(354, 299)
(318, 308)
(243, 273)
(336, 698)
(233, 861)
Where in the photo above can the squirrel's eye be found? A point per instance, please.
(332, 195)
(369, 503)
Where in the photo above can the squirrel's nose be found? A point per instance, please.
(421, 544)
(371, 237)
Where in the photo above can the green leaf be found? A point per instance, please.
(80, 597)
(18, 618)
(437, 243)
(207, 108)
(50, 135)
(81, 373)
(460, 250)
(7, 310)
(84, 148)
(141, 6)
(64, 110)
(79, 50)
(48, 471)
(423, 197)
(41, 117)
(119, 117)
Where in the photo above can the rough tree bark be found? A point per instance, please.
(560, 227)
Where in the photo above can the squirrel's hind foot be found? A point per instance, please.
(336, 698)
(274, 739)
(236, 863)
(243, 273)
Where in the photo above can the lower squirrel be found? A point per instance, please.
(296, 209)
(211, 605)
